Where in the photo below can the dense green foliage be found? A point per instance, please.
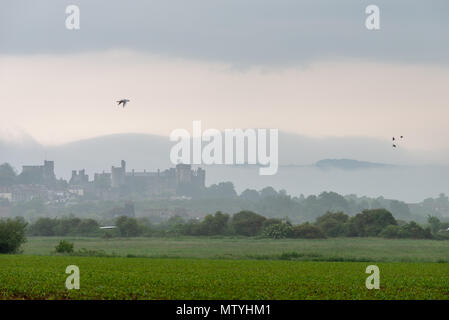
(308, 231)
(12, 235)
(64, 227)
(211, 225)
(247, 223)
(128, 227)
(368, 223)
(64, 247)
(409, 230)
(278, 231)
(333, 223)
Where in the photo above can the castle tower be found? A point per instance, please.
(200, 178)
(118, 175)
(49, 170)
(183, 174)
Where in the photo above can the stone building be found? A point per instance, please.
(169, 181)
(118, 175)
(6, 193)
(44, 173)
(79, 178)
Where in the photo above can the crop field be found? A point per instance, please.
(43, 277)
(335, 249)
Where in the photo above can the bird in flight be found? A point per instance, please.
(123, 102)
(394, 141)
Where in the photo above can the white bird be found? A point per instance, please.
(108, 227)
(123, 101)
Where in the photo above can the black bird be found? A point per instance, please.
(402, 137)
(394, 146)
(123, 101)
(394, 139)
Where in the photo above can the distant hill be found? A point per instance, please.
(348, 164)
(342, 164)
(141, 151)
(146, 151)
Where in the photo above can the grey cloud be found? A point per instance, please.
(234, 31)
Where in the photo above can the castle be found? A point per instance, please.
(45, 173)
(172, 181)
(40, 182)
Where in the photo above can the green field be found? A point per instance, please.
(41, 277)
(335, 249)
(229, 268)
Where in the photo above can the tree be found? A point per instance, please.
(176, 225)
(442, 203)
(12, 235)
(214, 224)
(64, 247)
(8, 175)
(271, 221)
(268, 192)
(399, 209)
(414, 231)
(278, 231)
(247, 223)
(435, 223)
(66, 226)
(308, 231)
(332, 201)
(87, 227)
(250, 195)
(333, 223)
(128, 227)
(44, 227)
(390, 232)
(370, 222)
(191, 227)
(221, 190)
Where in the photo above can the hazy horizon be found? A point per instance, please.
(410, 182)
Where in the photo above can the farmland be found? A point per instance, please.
(228, 268)
(43, 277)
(335, 249)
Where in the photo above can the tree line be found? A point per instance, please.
(368, 223)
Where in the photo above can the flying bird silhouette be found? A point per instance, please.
(123, 102)
(395, 144)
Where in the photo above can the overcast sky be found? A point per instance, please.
(308, 67)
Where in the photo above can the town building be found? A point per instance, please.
(45, 173)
